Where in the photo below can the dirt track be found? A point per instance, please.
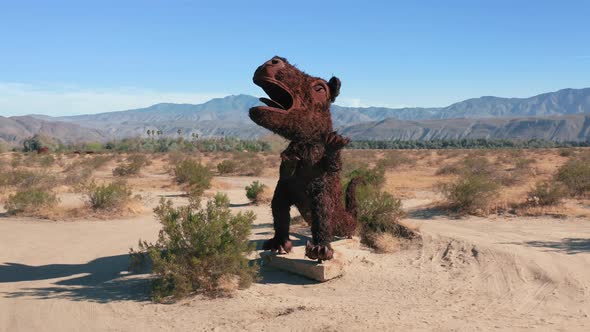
(471, 274)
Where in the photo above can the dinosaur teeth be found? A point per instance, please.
(271, 103)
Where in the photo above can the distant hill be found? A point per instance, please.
(228, 116)
(558, 128)
(14, 130)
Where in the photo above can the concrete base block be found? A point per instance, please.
(295, 262)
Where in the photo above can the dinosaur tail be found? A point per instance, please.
(350, 199)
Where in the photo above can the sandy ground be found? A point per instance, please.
(471, 274)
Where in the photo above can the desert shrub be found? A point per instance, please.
(523, 163)
(396, 159)
(132, 166)
(566, 152)
(470, 165)
(20, 178)
(108, 197)
(227, 167)
(448, 169)
(17, 159)
(199, 250)
(471, 193)
(254, 191)
(248, 164)
(46, 161)
(194, 175)
(379, 215)
(546, 193)
(477, 165)
(79, 178)
(29, 201)
(174, 158)
(575, 175)
(96, 161)
(374, 176)
(518, 174)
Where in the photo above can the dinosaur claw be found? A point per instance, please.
(319, 252)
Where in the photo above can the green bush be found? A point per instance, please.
(199, 250)
(254, 191)
(546, 193)
(38, 141)
(227, 167)
(27, 201)
(373, 176)
(196, 176)
(108, 197)
(379, 213)
(575, 175)
(471, 193)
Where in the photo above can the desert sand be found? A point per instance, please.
(470, 274)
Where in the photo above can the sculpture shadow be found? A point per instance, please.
(101, 280)
(570, 246)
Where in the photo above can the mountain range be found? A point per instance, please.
(560, 115)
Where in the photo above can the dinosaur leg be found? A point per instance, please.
(281, 205)
(322, 207)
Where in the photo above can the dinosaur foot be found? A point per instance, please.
(276, 245)
(319, 252)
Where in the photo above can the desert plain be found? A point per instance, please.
(509, 269)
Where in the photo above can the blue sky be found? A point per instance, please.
(72, 57)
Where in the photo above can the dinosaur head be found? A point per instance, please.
(298, 105)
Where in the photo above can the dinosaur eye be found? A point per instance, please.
(319, 88)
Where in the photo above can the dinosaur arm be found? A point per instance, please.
(332, 161)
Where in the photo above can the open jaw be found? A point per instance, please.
(280, 98)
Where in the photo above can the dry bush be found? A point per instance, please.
(366, 155)
(132, 165)
(95, 162)
(199, 250)
(227, 167)
(565, 152)
(16, 160)
(546, 193)
(30, 202)
(250, 164)
(26, 179)
(78, 179)
(519, 174)
(395, 159)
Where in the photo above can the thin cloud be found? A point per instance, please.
(21, 99)
(357, 102)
